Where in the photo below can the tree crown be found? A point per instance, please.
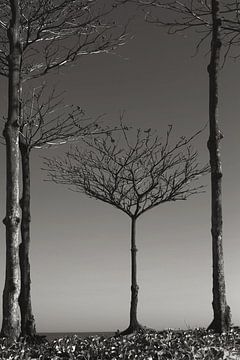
(134, 175)
(55, 33)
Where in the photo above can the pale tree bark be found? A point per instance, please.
(28, 327)
(11, 312)
(222, 318)
(134, 324)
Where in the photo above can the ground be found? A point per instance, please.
(197, 344)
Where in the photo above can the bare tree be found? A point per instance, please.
(221, 311)
(36, 37)
(11, 312)
(133, 175)
(45, 122)
(219, 21)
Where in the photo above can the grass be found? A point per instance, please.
(195, 344)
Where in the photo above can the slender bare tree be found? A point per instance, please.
(219, 22)
(36, 37)
(45, 122)
(221, 311)
(11, 312)
(133, 175)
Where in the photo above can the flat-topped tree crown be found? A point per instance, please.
(132, 174)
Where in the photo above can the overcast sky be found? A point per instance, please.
(80, 251)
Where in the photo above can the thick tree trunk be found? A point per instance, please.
(27, 319)
(11, 312)
(222, 319)
(134, 324)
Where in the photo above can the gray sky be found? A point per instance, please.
(80, 251)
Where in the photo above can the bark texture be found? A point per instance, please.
(28, 327)
(134, 324)
(222, 318)
(11, 311)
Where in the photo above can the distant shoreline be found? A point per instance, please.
(83, 334)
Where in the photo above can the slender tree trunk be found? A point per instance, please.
(11, 311)
(27, 319)
(134, 324)
(222, 319)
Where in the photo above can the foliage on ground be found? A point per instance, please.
(195, 344)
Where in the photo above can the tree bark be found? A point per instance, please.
(28, 327)
(134, 324)
(11, 311)
(222, 318)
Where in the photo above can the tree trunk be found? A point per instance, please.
(222, 319)
(11, 312)
(27, 319)
(134, 324)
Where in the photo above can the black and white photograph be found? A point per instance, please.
(119, 201)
